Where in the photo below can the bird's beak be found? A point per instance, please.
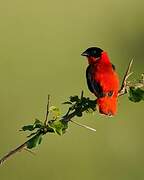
(85, 54)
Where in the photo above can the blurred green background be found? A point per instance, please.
(40, 47)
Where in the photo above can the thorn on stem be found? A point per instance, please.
(47, 111)
(84, 126)
(128, 73)
(82, 94)
(30, 151)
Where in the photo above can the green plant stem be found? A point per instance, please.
(18, 148)
(24, 145)
(12, 152)
(47, 111)
(67, 118)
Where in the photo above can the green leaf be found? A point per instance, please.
(40, 140)
(67, 102)
(136, 94)
(31, 134)
(55, 112)
(31, 127)
(89, 110)
(34, 141)
(92, 104)
(37, 121)
(74, 98)
(59, 127)
(79, 114)
(37, 124)
(28, 128)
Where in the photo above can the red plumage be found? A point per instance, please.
(102, 80)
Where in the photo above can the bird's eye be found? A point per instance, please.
(94, 52)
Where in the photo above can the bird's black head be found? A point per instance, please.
(92, 52)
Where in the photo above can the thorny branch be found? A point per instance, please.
(45, 130)
(14, 151)
(128, 73)
(46, 126)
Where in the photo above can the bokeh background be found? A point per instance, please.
(40, 47)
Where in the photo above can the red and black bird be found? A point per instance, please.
(102, 80)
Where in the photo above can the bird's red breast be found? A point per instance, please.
(105, 75)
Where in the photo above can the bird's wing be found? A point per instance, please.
(93, 85)
(89, 78)
(113, 66)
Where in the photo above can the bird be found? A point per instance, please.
(102, 80)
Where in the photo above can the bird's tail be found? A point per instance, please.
(107, 105)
